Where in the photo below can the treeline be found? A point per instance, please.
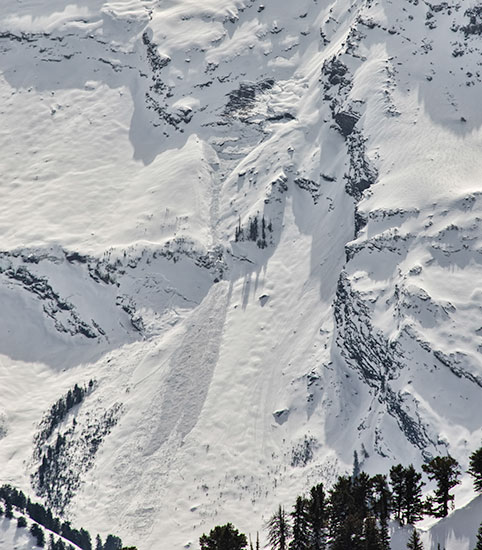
(42, 516)
(355, 513)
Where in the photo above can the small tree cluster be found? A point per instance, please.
(256, 231)
(407, 493)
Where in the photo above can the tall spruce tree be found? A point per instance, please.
(381, 507)
(414, 542)
(279, 530)
(397, 481)
(317, 517)
(371, 535)
(362, 494)
(301, 538)
(412, 499)
(340, 505)
(475, 468)
(346, 520)
(444, 470)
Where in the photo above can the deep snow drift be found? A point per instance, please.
(256, 228)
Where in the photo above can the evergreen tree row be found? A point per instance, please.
(43, 516)
(355, 513)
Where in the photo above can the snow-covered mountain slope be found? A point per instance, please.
(13, 537)
(255, 227)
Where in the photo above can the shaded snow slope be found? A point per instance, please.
(256, 229)
(13, 537)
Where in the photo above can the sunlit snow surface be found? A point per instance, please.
(136, 138)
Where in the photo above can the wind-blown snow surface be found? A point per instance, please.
(146, 146)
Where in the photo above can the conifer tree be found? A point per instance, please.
(412, 502)
(478, 546)
(346, 521)
(397, 481)
(317, 517)
(8, 510)
(349, 536)
(301, 527)
(381, 507)
(38, 533)
(85, 541)
(279, 530)
(223, 537)
(362, 494)
(414, 542)
(340, 504)
(444, 470)
(475, 468)
(112, 543)
(371, 535)
(21, 522)
(98, 543)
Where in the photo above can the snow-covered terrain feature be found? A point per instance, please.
(252, 232)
